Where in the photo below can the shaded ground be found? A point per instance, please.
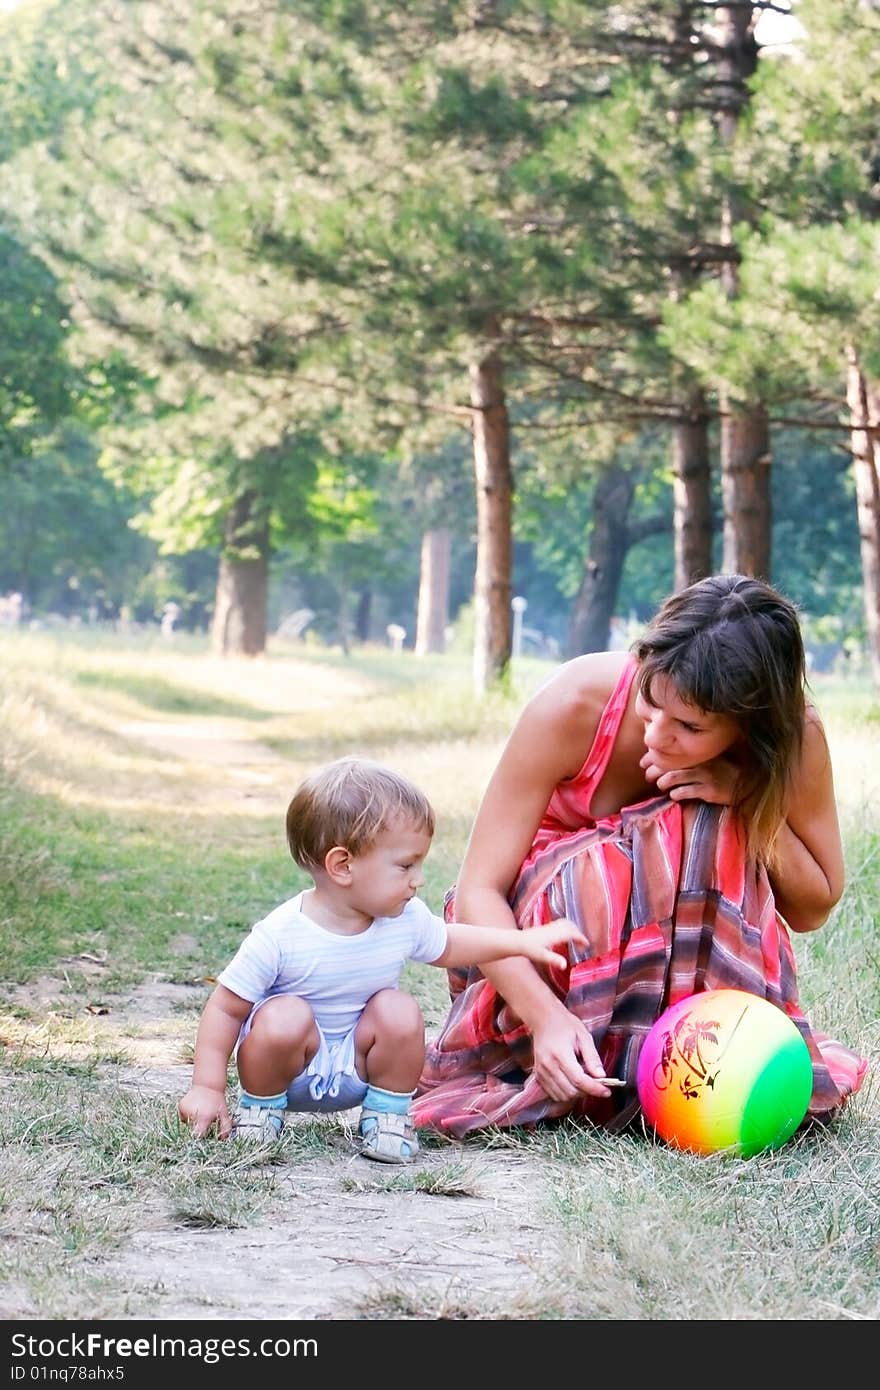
(338, 1237)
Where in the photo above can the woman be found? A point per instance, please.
(677, 802)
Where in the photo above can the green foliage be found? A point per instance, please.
(817, 551)
(804, 294)
(288, 231)
(36, 380)
(39, 89)
(64, 540)
(467, 110)
(805, 162)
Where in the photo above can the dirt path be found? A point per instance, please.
(344, 1235)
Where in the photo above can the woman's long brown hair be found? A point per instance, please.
(732, 645)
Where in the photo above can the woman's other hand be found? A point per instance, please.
(566, 1061)
(715, 781)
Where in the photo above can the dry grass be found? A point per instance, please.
(142, 832)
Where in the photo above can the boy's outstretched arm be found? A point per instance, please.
(470, 945)
(205, 1102)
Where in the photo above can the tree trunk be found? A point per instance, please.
(343, 614)
(590, 626)
(692, 493)
(745, 444)
(433, 611)
(745, 492)
(494, 487)
(239, 624)
(864, 408)
(363, 614)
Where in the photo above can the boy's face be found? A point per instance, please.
(385, 877)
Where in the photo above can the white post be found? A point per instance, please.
(519, 606)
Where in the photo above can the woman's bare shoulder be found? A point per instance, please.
(581, 683)
(815, 750)
(573, 698)
(555, 729)
(813, 719)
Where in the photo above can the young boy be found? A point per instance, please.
(310, 1003)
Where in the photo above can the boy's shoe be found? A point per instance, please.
(387, 1137)
(258, 1124)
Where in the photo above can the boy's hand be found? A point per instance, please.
(537, 941)
(202, 1108)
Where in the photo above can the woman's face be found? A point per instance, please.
(678, 734)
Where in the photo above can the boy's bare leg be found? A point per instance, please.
(390, 1049)
(390, 1041)
(282, 1041)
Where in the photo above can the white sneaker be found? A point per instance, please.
(387, 1137)
(258, 1124)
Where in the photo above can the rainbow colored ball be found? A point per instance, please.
(724, 1070)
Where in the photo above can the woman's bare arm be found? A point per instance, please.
(808, 872)
(548, 744)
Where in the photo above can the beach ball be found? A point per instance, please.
(724, 1070)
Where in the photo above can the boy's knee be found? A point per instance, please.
(284, 1021)
(393, 1011)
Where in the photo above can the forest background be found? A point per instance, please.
(360, 315)
(334, 317)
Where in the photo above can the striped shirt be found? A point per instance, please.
(288, 953)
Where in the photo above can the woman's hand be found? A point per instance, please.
(566, 1061)
(715, 781)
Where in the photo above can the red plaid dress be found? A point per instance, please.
(670, 905)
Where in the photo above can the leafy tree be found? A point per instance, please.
(517, 247)
(803, 330)
(147, 204)
(64, 540)
(37, 383)
(65, 544)
(326, 237)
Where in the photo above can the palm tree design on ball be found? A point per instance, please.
(689, 1055)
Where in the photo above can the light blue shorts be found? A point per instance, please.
(330, 1081)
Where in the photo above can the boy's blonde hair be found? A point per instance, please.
(349, 802)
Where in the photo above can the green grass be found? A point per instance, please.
(165, 697)
(128, 866)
